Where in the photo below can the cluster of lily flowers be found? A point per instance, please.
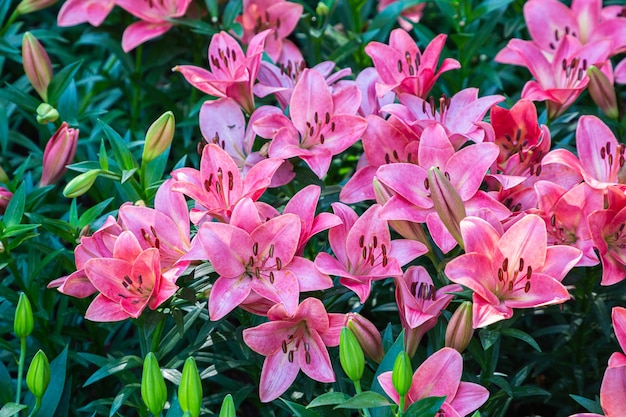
(432, 170)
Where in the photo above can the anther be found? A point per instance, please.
(375, 241)
(271, 250)
(255, 248)
(279, 263)
(361, 241)
(527, 286)
(521, 264)
(284, 346)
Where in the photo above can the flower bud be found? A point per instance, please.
(3, 175)
(5, 197)
(351, 355)
(36, 63)
(602, 92)
(46, 114)
(367, 335)
(228, 407)
(322, 9)
(29, 6)
(460, 331)
(23, 323)
(59, 152)
(153, 389)
(447, 202)
(38, 375)
(159, 137)
(402, 374)
(190, 389)
(81, 184)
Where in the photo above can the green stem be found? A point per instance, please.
(137, 90)
(20, 369)
(357, 389)
(156, 336)
(401, 406)
(12, 18)
(36, 408)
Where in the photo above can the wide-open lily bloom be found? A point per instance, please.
(514, 269)
(232, 73)
(403, 68)
(438, 376)
(128, 282)
(252, 256)
(292, 342)
(365, 251)
(218, 185)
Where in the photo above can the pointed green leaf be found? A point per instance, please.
(11, 409)
(521, 335)
(329, 398)
(366, 399)
(61, 80)
(15, 208)
(426, 407)
(112, 367)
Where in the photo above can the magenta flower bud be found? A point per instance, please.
(5, 197)
(447, 202)
(602, 92)
(367, 335)
(460, 331)
(29, 6)
(59, 152)
(37, 64)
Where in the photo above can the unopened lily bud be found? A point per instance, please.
(5, 197)
(190, 389)
(153, 389)
(367, 335)
(29, 6)
(322, 9)
(59, 152)
(228, 407)
(460, 331)
(81, 184)
(602, 92)
(23, 323)
(447, 202)
(38, 375)
(46, 114)
(402, 374)
(159, 137)
(351, 355)
(3, 176)
(37, 64)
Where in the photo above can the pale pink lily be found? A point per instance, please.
(75, 12)
(155, 18)
(514, 269)
(371, 104)
(403, 68)
(438, 376)
(128, 282)
(322, 124)
(222, 122)
(294, 342)
(251, 256)
(280, 16)
(364, 250)
(218, 185)
(232, 73)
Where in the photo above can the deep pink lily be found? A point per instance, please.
(155, 18)
(294, 342)
(403, 68)
(59, 152)
(75, 12)
(128, 282)
(438, 376)
(232, 73)
(218, 185)
(515, 269)
(364, 250)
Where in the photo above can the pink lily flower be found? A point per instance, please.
(259, 15)
(218, 186)
(155, 18)
(232, 73)
(371, 104)
(365, 251)
(59, 152)
(222, 122)
(75, 12)
(251, 256)
(128, 282)
(403, 68)
(514, 269)
(321, 125)
(5, 197)
(440, 375)
(294, 342)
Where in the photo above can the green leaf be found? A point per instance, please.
(300, 410)
(52, 396)
(366, 399)
(488, 338)
(231, 11)
(6, 383)
(11, 409)
(122, 155)
(103, 158)
(121, 398)
(92, 213)
(501, 383)
(521, 335)
(20, 98)
(73, 214)
(591, 405)
(127, 174)
(113, 367)
(426, 407)
(61, 80)
(329, 398)
(18, 229)
(175, 410)
(15, 208)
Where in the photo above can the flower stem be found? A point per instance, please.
(20, 369)
(12, 18)
(36, 408)
(401, 406)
